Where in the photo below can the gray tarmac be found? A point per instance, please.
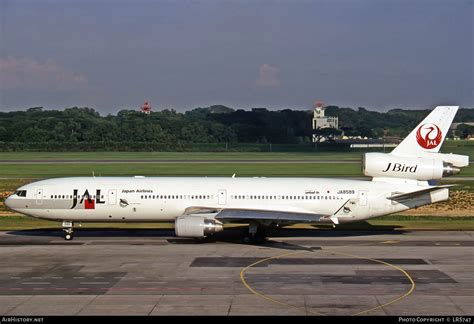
(295, 272)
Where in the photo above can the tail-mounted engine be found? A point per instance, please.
(415, 168)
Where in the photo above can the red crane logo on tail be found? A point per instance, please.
(429, 136)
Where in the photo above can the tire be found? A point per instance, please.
(68, 237)
(259, 239)
(246, 239)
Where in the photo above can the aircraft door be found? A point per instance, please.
(112, 196)
(39, 196)
(222, 197)
(363, 197)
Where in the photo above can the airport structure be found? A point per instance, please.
(456, 135)
(146, 108)
(321, 121)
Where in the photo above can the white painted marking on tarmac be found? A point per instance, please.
(56, 277)
(447, 244)
(78, 277)
(98, 277)
(94, 283)
(36, 283)
(15, 277)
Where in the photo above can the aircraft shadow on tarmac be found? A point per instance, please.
(230, 235)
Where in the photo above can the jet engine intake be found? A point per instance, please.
(196, 226)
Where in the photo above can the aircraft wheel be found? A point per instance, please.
(253, 239)
(246, 239)
(259, 239)
(68, 236)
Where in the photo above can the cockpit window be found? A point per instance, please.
(20, 193)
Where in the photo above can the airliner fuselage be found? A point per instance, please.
(140, 199)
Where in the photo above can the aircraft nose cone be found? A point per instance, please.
(8, 202)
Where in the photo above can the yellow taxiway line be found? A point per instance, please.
(255, 292)
(306, 311)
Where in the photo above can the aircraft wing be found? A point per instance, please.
(236, 215)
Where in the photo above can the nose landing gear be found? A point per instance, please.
(68, 229)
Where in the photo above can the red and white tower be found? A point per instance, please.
(146, 108)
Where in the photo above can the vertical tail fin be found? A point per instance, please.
(429, 135)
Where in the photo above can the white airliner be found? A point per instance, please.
(401, 180)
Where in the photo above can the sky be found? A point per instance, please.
(115, 54)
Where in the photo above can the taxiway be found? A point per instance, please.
(296, 272)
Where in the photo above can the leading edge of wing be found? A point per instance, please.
(234, 214)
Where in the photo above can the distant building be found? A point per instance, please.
(321, 121)
(455, 125)
(455, 134)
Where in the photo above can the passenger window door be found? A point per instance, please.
(222, 197)
(363, 197)
(112, 196)
(39, 196)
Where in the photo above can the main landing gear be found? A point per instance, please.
(255, 235)
(68, 229)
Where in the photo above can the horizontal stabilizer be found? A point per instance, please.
(416, 193)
